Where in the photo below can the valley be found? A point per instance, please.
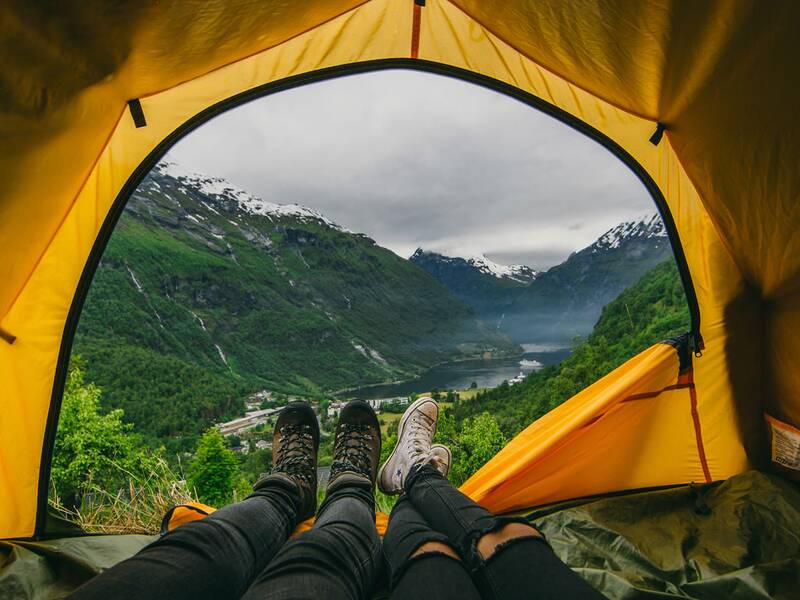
(206, 295)
(212, 306)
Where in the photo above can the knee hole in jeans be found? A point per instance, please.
(494, 541)
(436, 548)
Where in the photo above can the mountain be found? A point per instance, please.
(206, 293)
(653, 309)
(565, 301)
(489, 288)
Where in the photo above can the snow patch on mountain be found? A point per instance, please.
(520, 273)
(222, 188)
(650, 226)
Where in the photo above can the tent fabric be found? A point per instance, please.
(634, 428)
(674, 543)
(719, 76)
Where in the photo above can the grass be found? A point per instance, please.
(386, 419)
(470, 394)
(138, 508)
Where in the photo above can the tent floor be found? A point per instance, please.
(739, 539)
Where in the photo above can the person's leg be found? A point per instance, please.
(340, 556)
(337, 558)
(422, 562)
(218, 557)
(507, 557)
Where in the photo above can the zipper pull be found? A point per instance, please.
(696, 344)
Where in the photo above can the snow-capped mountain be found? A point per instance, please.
(210, 290)
(488, 287)
(479, 262)
(565, 301)
(648, 227)
(222, 190)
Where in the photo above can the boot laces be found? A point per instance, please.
(352, 450)
(295, 453)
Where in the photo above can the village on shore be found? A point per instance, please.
(253, 431)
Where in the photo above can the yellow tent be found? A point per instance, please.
(699, 98)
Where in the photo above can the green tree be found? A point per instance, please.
(479, 440)
(213, 470)
(95, 451)
(254, 464)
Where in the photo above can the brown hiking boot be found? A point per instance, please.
(294, 454)
(357, 447)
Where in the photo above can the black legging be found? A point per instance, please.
(241, 551)
(432, 510)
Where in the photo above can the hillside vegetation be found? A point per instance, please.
(206, 294)
(106, 478)
(564, 301)
(650, 311)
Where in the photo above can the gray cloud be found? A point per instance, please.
(413, 159)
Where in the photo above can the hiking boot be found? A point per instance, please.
(357, 447)
(294, 454)
(414, 436)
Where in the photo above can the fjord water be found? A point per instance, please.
(460, 375)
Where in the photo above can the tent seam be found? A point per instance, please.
(550, 70)
(256, 52)
(698, 432)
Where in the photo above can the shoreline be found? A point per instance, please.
(344, 392)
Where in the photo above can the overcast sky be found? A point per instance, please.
(413, 159)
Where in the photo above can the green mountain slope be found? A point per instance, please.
(567, 300)
(651, 310)
(205, 294)
(564, 301)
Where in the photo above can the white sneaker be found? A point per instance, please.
(442, 458)
(414, 436)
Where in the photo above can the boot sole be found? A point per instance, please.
(386, 487)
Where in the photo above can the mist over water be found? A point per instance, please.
(460, 375)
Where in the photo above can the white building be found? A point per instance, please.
(518, 379)
(334, 408)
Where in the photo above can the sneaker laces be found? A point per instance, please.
(419, 440)
(295, 453)
(352, 450)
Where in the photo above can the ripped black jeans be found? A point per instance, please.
(241, 551)
(432, 510)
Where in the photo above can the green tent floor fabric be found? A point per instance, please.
(653, 544)
(659, 545)
(52, 569)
